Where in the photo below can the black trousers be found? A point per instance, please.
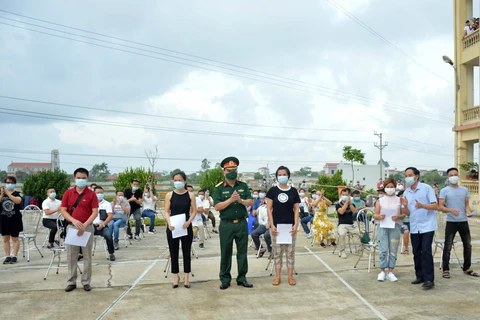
(422, 255)
(52, 225)
(450, 231)
(173, 246)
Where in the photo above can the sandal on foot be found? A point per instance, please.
(292, 282)
(446, 274)
(323, 245)
(276, 281)
(405, 251)
(471, 273)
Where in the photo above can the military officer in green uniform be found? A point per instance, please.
(231, 198)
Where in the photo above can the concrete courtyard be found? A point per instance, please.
(328, 287)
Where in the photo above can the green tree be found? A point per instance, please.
(36, 185)
(330, 185)
(205, 164)
(3, 175)
(21, 176)
(433, 177)
(258, 176)
(305, 171)
(353, 155)
(397, 176)
(99, 172)
(174, 172)
(125, 178)
(211, 178)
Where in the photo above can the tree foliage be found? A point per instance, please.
(36, 185)
(205, 164)
(353, 155)
(125, 178)
(3, 175)
(99, 172)
(211, 178)
(21, 176)
(258, 176)
(329, 184)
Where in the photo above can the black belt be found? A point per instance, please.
(235, 220)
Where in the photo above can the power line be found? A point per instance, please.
(386, 104)
(290, 81)
(379, 36)
(31, 114)
(420, 151)
(177, 118)
(199, 120)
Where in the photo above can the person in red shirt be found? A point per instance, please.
(79, 215)
(379, 184)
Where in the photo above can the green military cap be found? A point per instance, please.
(229, 162)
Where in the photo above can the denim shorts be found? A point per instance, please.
(405, 226)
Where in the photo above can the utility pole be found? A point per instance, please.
(380, 146)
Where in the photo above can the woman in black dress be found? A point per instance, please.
(10, 218)
(177, 202)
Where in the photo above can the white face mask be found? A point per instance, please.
(453, 179)
(390, 191)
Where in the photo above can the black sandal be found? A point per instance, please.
(471, 273)
(446, 274)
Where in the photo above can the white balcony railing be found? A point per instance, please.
(471, 39)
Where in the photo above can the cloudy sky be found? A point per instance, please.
(272, 82)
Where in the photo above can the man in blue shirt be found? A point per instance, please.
(454, 200)
(359, 204)
(422, 204)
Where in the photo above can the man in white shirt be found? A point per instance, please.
(100, 224)
(263, 228)
(467, 29)
(51, 210)
(207, 205)
(197, 223)
(148, 207)
(121, 210)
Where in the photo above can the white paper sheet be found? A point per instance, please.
(177, 221)
(284, 235)
(74, 240)
(388, 222)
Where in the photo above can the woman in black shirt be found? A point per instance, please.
(283, 208)
(177, 202)
(10, 218)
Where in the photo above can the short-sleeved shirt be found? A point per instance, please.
(283, 204)
(455, 198)
(83, 211)
(138, 194)
(49, 204)
(421, 220)
(347, 216)
(149, 203)
(118, 212)
(224, 191)
(358, 204)
(103, 205)
(198, 219)
(10, 216)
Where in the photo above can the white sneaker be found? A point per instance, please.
(343, 255)
(381, 276)
(391, 277)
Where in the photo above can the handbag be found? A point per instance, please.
(365, 239)
(71, 212)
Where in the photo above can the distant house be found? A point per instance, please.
(111, 178)
(28, 167)
(330, 168)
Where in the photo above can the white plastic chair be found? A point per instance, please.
(101, 238)
(31, 217)
(439, 242)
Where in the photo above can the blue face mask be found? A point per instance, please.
(120, 198)
(147, 195)
(53, 195)
(261, 195)
(201, 197)
(410, 181)
(81, 183)
(255, 196)
(134, 188)
(315, 196)
(356, 198)
(10, 186)
(179, 185)
(344, 198)
(282, 179)
(301, 194)
(100, 196)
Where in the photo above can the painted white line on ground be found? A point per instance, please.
(120, 297)
(348, 286)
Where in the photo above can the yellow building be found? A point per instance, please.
(467, 115)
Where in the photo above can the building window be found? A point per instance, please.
(333, 171)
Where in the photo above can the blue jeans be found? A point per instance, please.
(304, 221)
(389, 240)
(107, 234)
(115, 225)
(149, 214)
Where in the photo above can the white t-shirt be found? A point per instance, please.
(262, 215)
(49, 204)
(468, 30)
(104, 205)
(149, 203)
(198, 219)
